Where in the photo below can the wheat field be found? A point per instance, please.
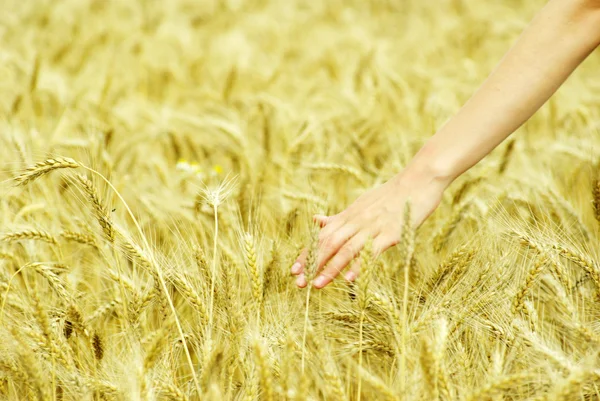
(160, 164)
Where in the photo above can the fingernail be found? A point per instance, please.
(350, 276)
(296, 268)
(319, 217)
(319, 282)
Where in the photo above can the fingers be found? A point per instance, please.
(341, 259)
(333, 224)
(331, 244)
(339, 243)
(349, 252)
(321, 219)
(382, 243)
(301, 281)
(298, 266)
(352, 273)
(324, 220)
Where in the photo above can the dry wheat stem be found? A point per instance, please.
(159, 274)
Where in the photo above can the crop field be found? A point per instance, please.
(160, 164)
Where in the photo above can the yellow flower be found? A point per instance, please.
(182, 165)
(195, 167)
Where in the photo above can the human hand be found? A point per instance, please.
(377, 214)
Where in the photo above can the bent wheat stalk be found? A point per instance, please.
(41, 168)
(49, 165)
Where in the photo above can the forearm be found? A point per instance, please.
(560, 37)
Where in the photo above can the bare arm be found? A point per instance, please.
(560, 37)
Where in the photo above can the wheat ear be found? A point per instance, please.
(266, 379)
(99, 210)
(255, 273)
(522, 293)
(596, 198)
(309, 272)
(42, 168)
(160, 277)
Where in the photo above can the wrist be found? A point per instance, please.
(430, 166)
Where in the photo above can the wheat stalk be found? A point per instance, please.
(159, 275)
(192, 296)
(266, 380)
(452, 265)
(596, 198)
(590, 267)
(255, 271)
(363, 300)
(42, 168)
(340, 168)
(81, 238)
(100, 211)
(98, 346)
(38, 235)
(529, 280)
(506, 156)
(310, 269)
(499, 384)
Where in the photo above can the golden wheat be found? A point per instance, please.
(41, 168)
(194, 141)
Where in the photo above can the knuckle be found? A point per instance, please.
(347, 253)
(329, 274)
(368, 213)
(337, 239)
(329, 246)
(334, 270)
(358, 244)
(325, 237)
(333, 242)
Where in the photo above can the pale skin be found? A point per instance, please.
(559, 38)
